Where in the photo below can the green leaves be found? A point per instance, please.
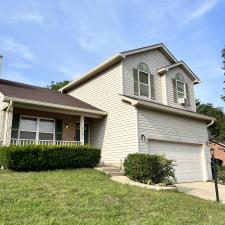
(58, 85)
(217, 130)
(42, 157)
(147, 168)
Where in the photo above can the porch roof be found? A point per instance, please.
(25, 93)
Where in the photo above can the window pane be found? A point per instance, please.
(144, 90)
(143, 77)
(180, 95)
(180, 86)
(45, 136)
(28, 124)
(136, 88)
(46, 126)
(27, 135)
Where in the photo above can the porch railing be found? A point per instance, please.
(15, 141)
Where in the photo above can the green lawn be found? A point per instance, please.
(80, 197)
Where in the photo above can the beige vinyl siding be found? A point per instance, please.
(115, 134)
(168, 127)
(155, 60)
(170, 93)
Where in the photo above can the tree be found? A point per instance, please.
(217, 130)
(58, 85)
(223, 56)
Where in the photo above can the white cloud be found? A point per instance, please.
(19, 65)
(66, 71)
(203, 8)
(16, 76)
(28, 16)
(12, 46)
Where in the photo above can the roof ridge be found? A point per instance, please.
(27, 85)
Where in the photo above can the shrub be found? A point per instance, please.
(42, 157)
(147, 168)
(221, 174)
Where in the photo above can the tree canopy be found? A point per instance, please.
(57, 85)
(217, 130)
(223, 56)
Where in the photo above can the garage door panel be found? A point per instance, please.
(188, 163)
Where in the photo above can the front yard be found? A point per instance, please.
(80, 197)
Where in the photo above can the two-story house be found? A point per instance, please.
(140, 100)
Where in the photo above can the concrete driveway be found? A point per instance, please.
(205, 190)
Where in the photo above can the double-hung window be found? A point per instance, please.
(142, 81)
(180, 89)
(36, 128)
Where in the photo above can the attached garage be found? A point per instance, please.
(188, 158)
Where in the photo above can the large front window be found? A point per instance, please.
(36, 128)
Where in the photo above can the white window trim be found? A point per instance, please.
(139, 84)
(185, 94)
(37, 128)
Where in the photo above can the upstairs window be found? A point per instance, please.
(143, 81)
(181, 95)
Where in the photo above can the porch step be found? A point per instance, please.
(110, 170)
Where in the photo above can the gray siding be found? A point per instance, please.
(116, 134)
(170, 96)
(155, 60)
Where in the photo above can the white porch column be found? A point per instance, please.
(2, 120)
(82, 129)
(8, 125)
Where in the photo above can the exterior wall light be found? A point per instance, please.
(143, 137)
(66, 125)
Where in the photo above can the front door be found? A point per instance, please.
(86, 133)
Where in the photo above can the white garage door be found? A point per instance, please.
(187, 156)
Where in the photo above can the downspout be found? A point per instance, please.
(211, 123)
(6, 122)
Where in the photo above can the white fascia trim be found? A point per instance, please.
(94, 71)
(180, 63)
(52, 105)
(130, 100)
(174, 111)
(131, 52)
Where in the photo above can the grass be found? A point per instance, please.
(80, 197)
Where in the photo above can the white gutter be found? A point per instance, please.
(52, 105)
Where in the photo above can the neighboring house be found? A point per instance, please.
(137, 101)
(219, 151)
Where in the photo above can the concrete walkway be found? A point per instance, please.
(205, 190)
(117, 175)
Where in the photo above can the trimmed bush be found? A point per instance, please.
(48, 157)
(149, 169)
(221, 174)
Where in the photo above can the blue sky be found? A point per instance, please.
(56, 40)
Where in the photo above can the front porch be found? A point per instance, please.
(25, 126)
